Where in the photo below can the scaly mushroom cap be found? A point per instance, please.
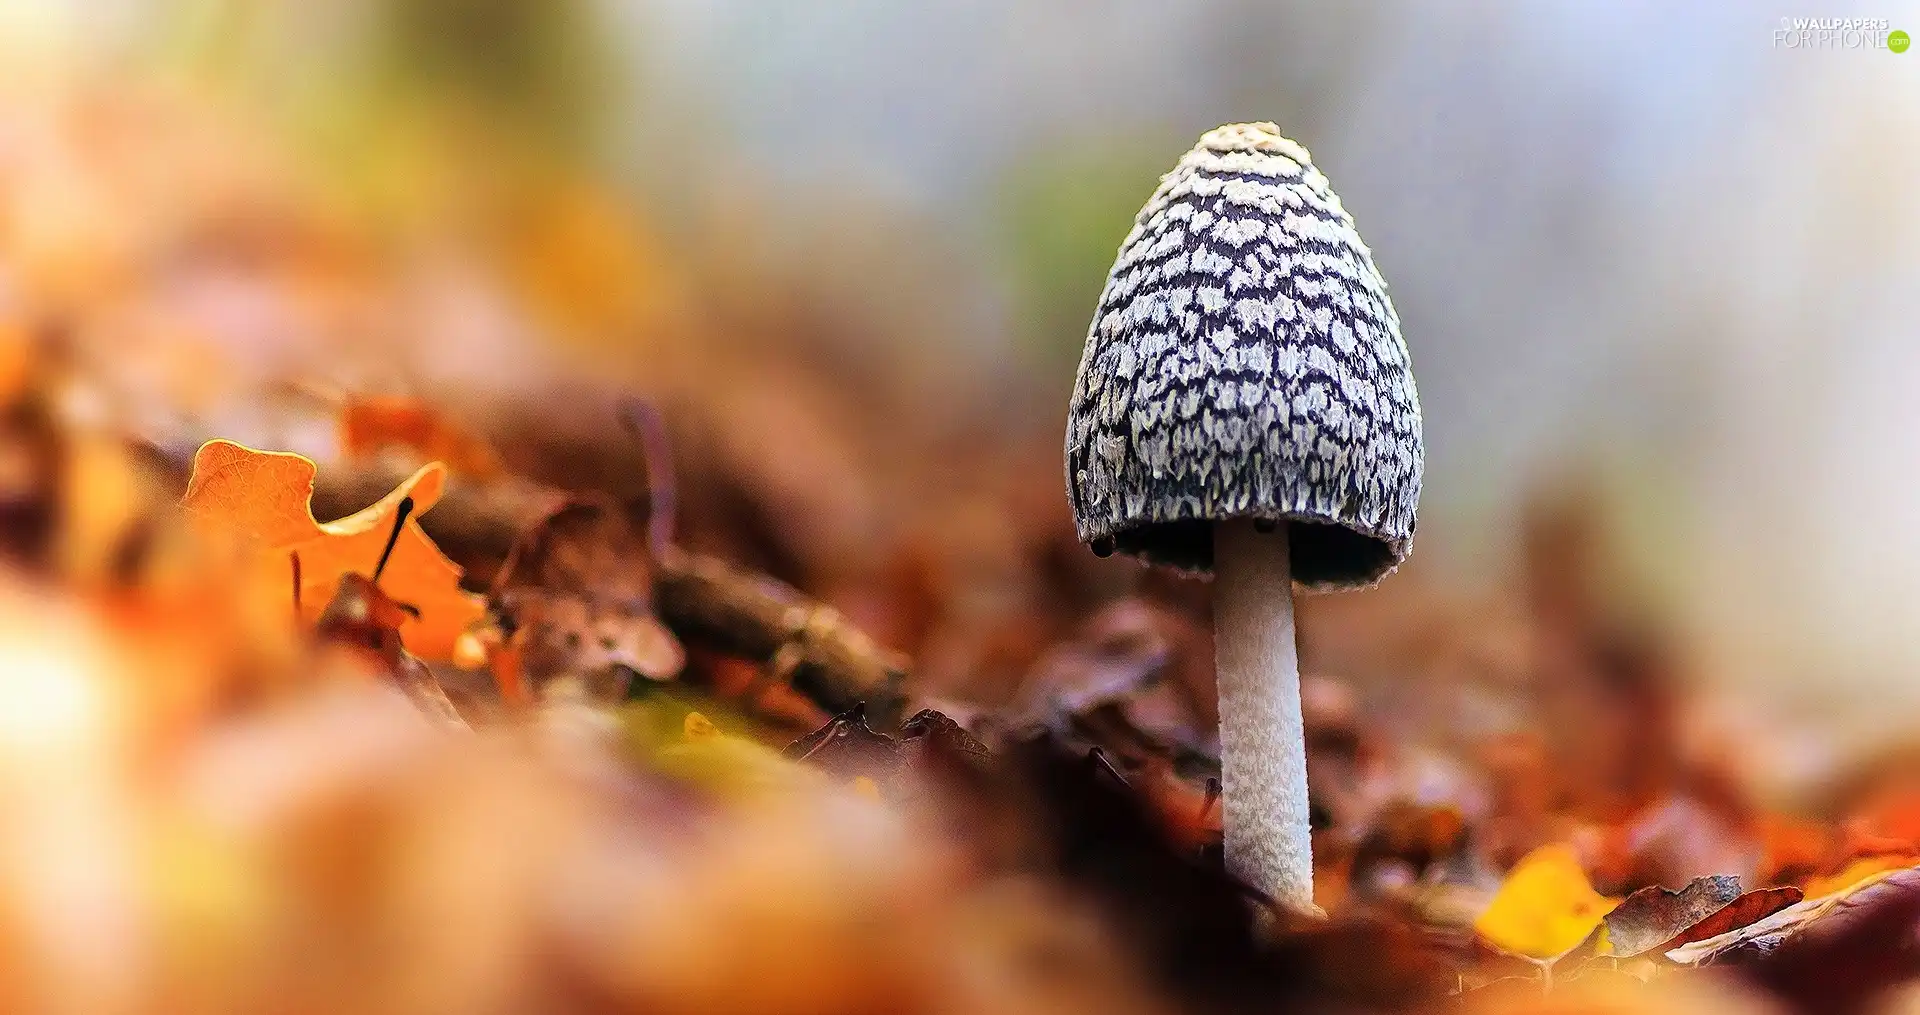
(1245, 362)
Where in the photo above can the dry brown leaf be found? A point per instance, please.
(1750, 908)
(1653, 915)
(576, 596)
(1844, 960)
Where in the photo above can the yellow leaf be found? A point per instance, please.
(261, 502)
(1545, 907)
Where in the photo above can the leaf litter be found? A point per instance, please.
(1078, 778)
(519, 731)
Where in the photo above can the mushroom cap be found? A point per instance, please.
(1245, 362)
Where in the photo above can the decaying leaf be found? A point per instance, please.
(1545, 907)
(1127, 681)
(576, 597)
(1653, 915)
(259, 503)
(1750, 908)
(1763, 936)
(847, 747)
(1770, 930)
(932, 728)
(1843, 958)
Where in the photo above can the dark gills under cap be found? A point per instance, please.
(1245, 362)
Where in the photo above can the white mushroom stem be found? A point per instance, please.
(1263, 754)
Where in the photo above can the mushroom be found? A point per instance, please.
(1245, 408)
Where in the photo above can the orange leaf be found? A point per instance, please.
(1545, 907)
(261, 503)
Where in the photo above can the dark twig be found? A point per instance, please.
(711, 603)
(1097, 757)
(393, 538)
(643, 421)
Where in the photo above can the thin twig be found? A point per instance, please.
(643, 421)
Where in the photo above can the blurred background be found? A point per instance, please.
(1655, 270)
(1655, 267)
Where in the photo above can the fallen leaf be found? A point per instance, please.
(1843, 959)
(1146, 666)
(1545, 907)
(18, 359)
(260, 502)
(576, 596)
(503, 660)
(104, 500)
(1748, 909)
(1775, 926)
(1859, 840)
(1403, 843)
(931, 728)
(1653, 915)
(846, 746)
(33, 467)
(1763, 936)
